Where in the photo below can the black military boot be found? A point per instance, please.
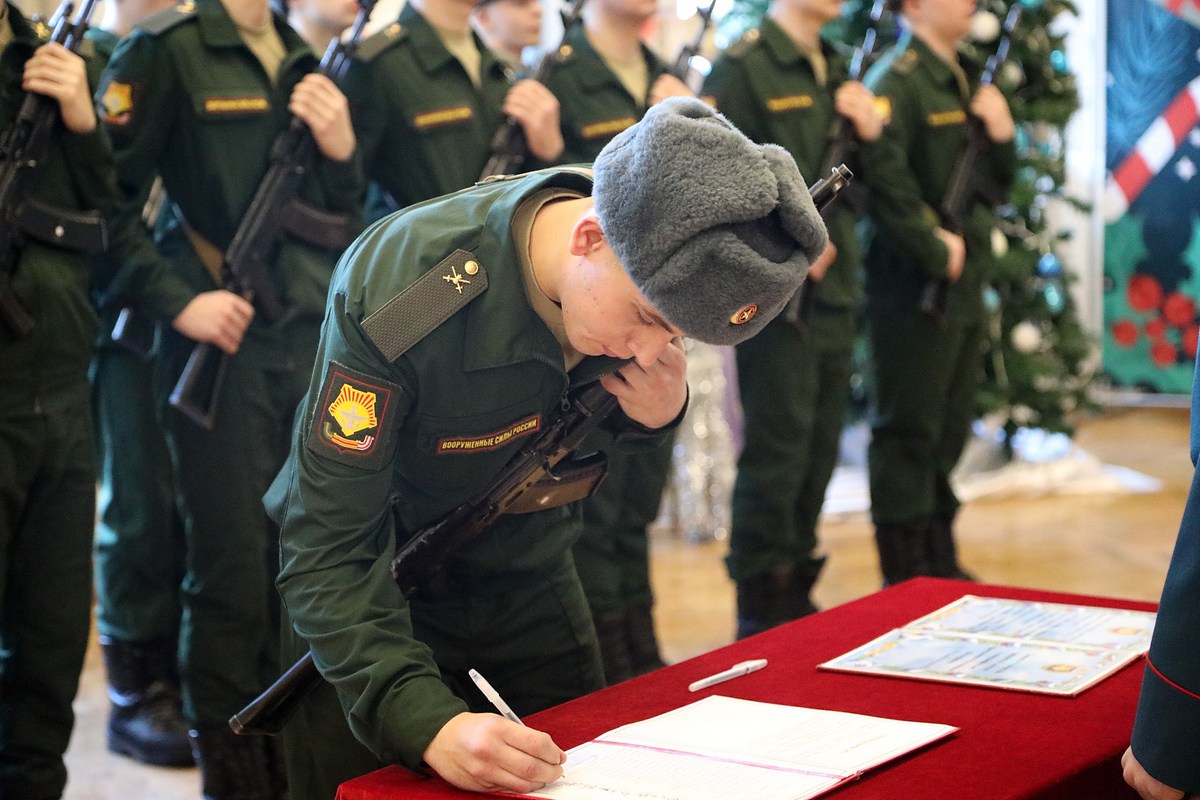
(614, 646)
(145, 721)
(903, 550)
(235, 767)
(641, 641)
(804, 577)
(943, 553)
(765, 600)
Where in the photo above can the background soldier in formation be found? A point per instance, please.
(428, 98)
(47, 470)
(605, 85)
(926, 369)
(781, 83)
(197, 95)
(139, 537)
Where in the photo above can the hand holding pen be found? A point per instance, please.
(485, 753)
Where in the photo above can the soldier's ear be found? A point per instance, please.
(586, 234)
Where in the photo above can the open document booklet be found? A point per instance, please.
(721, 747)
(1049, 648)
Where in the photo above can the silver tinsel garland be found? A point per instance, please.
(697, 500)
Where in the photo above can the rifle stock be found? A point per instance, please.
(248, 261)
(425, 554)
(23, 149)
(963, 189)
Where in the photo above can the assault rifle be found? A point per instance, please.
(683, 62)
(540, 476)
(799, 307)
(840, 142)
(965, 187)
(509, 149)
(21, 153)
(841, 138)
(275, 210)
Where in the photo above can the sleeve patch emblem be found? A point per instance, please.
(350, 422)
(117, 103)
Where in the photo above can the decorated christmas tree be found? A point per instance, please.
(1038, 359)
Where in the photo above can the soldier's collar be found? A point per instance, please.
(938, 69)
(217, 28)
(431, 52)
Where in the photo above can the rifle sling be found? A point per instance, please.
(302, 221)
(77, 231)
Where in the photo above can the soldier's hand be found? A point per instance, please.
(219, 317)
(818, 268)
(652, 394)
(56, 72)
(1146, 785)
(668, 86)
(536, 108)
(487, 753)
(990, 106)
(957, 252)
(323, 108)
(856, 102)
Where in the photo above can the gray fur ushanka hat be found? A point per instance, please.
(716, 231)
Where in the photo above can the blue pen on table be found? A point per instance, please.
(494, 697)
(736, 671)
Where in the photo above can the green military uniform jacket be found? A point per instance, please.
(184, 98)
(767, 87)
(594, 106)
(392, 439)
(908, 178)
(424, 127)
(50, 283)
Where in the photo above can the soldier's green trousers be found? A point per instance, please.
(47, 509)
(793, 385)
(530, 635)
(926, 376)
(230, 630)
(139, 538)
(613, 554)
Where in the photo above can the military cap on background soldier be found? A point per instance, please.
(502, 297)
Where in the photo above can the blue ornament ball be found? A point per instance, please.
(1058, 60)
(1049, 267)
(1032, 4)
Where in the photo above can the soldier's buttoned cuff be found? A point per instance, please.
(344, 181)
(410, 717)
(1164, 731)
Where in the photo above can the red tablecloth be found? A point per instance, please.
(1012, 744)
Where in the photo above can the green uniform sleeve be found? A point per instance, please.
(90, 159)
(139, 75)
(903, 217)
(337, 540)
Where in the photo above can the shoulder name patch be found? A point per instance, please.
(352, 421)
